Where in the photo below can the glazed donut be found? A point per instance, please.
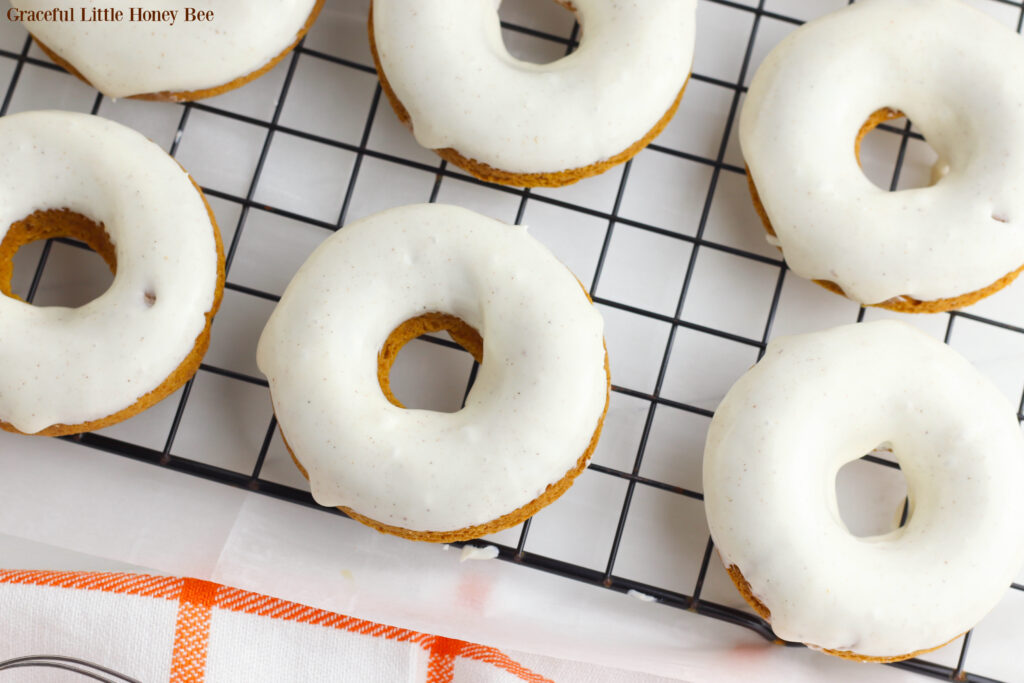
(68, 370)
(531, 420)
(959, 76)
(149, 54)
(818, 401)
(448, 75)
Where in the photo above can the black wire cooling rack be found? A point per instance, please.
(718, 165)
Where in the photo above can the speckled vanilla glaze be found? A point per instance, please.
(536, 402)
(959, 76)
(446, 62)
(818, 401)
(133, 58)
(72, 365)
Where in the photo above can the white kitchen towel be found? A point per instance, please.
(158, 628)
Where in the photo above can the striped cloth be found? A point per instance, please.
(156, 628)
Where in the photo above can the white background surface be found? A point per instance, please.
(684, 220)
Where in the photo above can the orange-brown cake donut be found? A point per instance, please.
(68, 370)
(207, 48)
(449, 77)
(957, 74)
(531, 420)
(818, 401)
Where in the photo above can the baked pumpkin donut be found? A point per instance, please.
(818, 401)
(448, 75)
(959, 76)
(125, 49)
(530, 422)
(68, 370)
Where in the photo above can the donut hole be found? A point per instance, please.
(78, 269)
(878, 148)
(545, 16)
(871, 497)
(425, 376)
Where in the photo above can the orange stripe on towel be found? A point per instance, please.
(192, 631)
(444, 652)
(237, 600)
(441, 665)
(500, 660)
(126, 584)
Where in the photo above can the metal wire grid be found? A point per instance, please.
(607, 578)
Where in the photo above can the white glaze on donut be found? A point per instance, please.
(124, 58)
(818, 401)
(73, 365)
(530, 415)
(447, 64)
(959, 76)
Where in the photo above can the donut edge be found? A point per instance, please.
(743, 586)
(899, 304)
(182, 374)
(203, 93)
(488, 173)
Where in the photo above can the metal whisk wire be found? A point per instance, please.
(79, 666)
